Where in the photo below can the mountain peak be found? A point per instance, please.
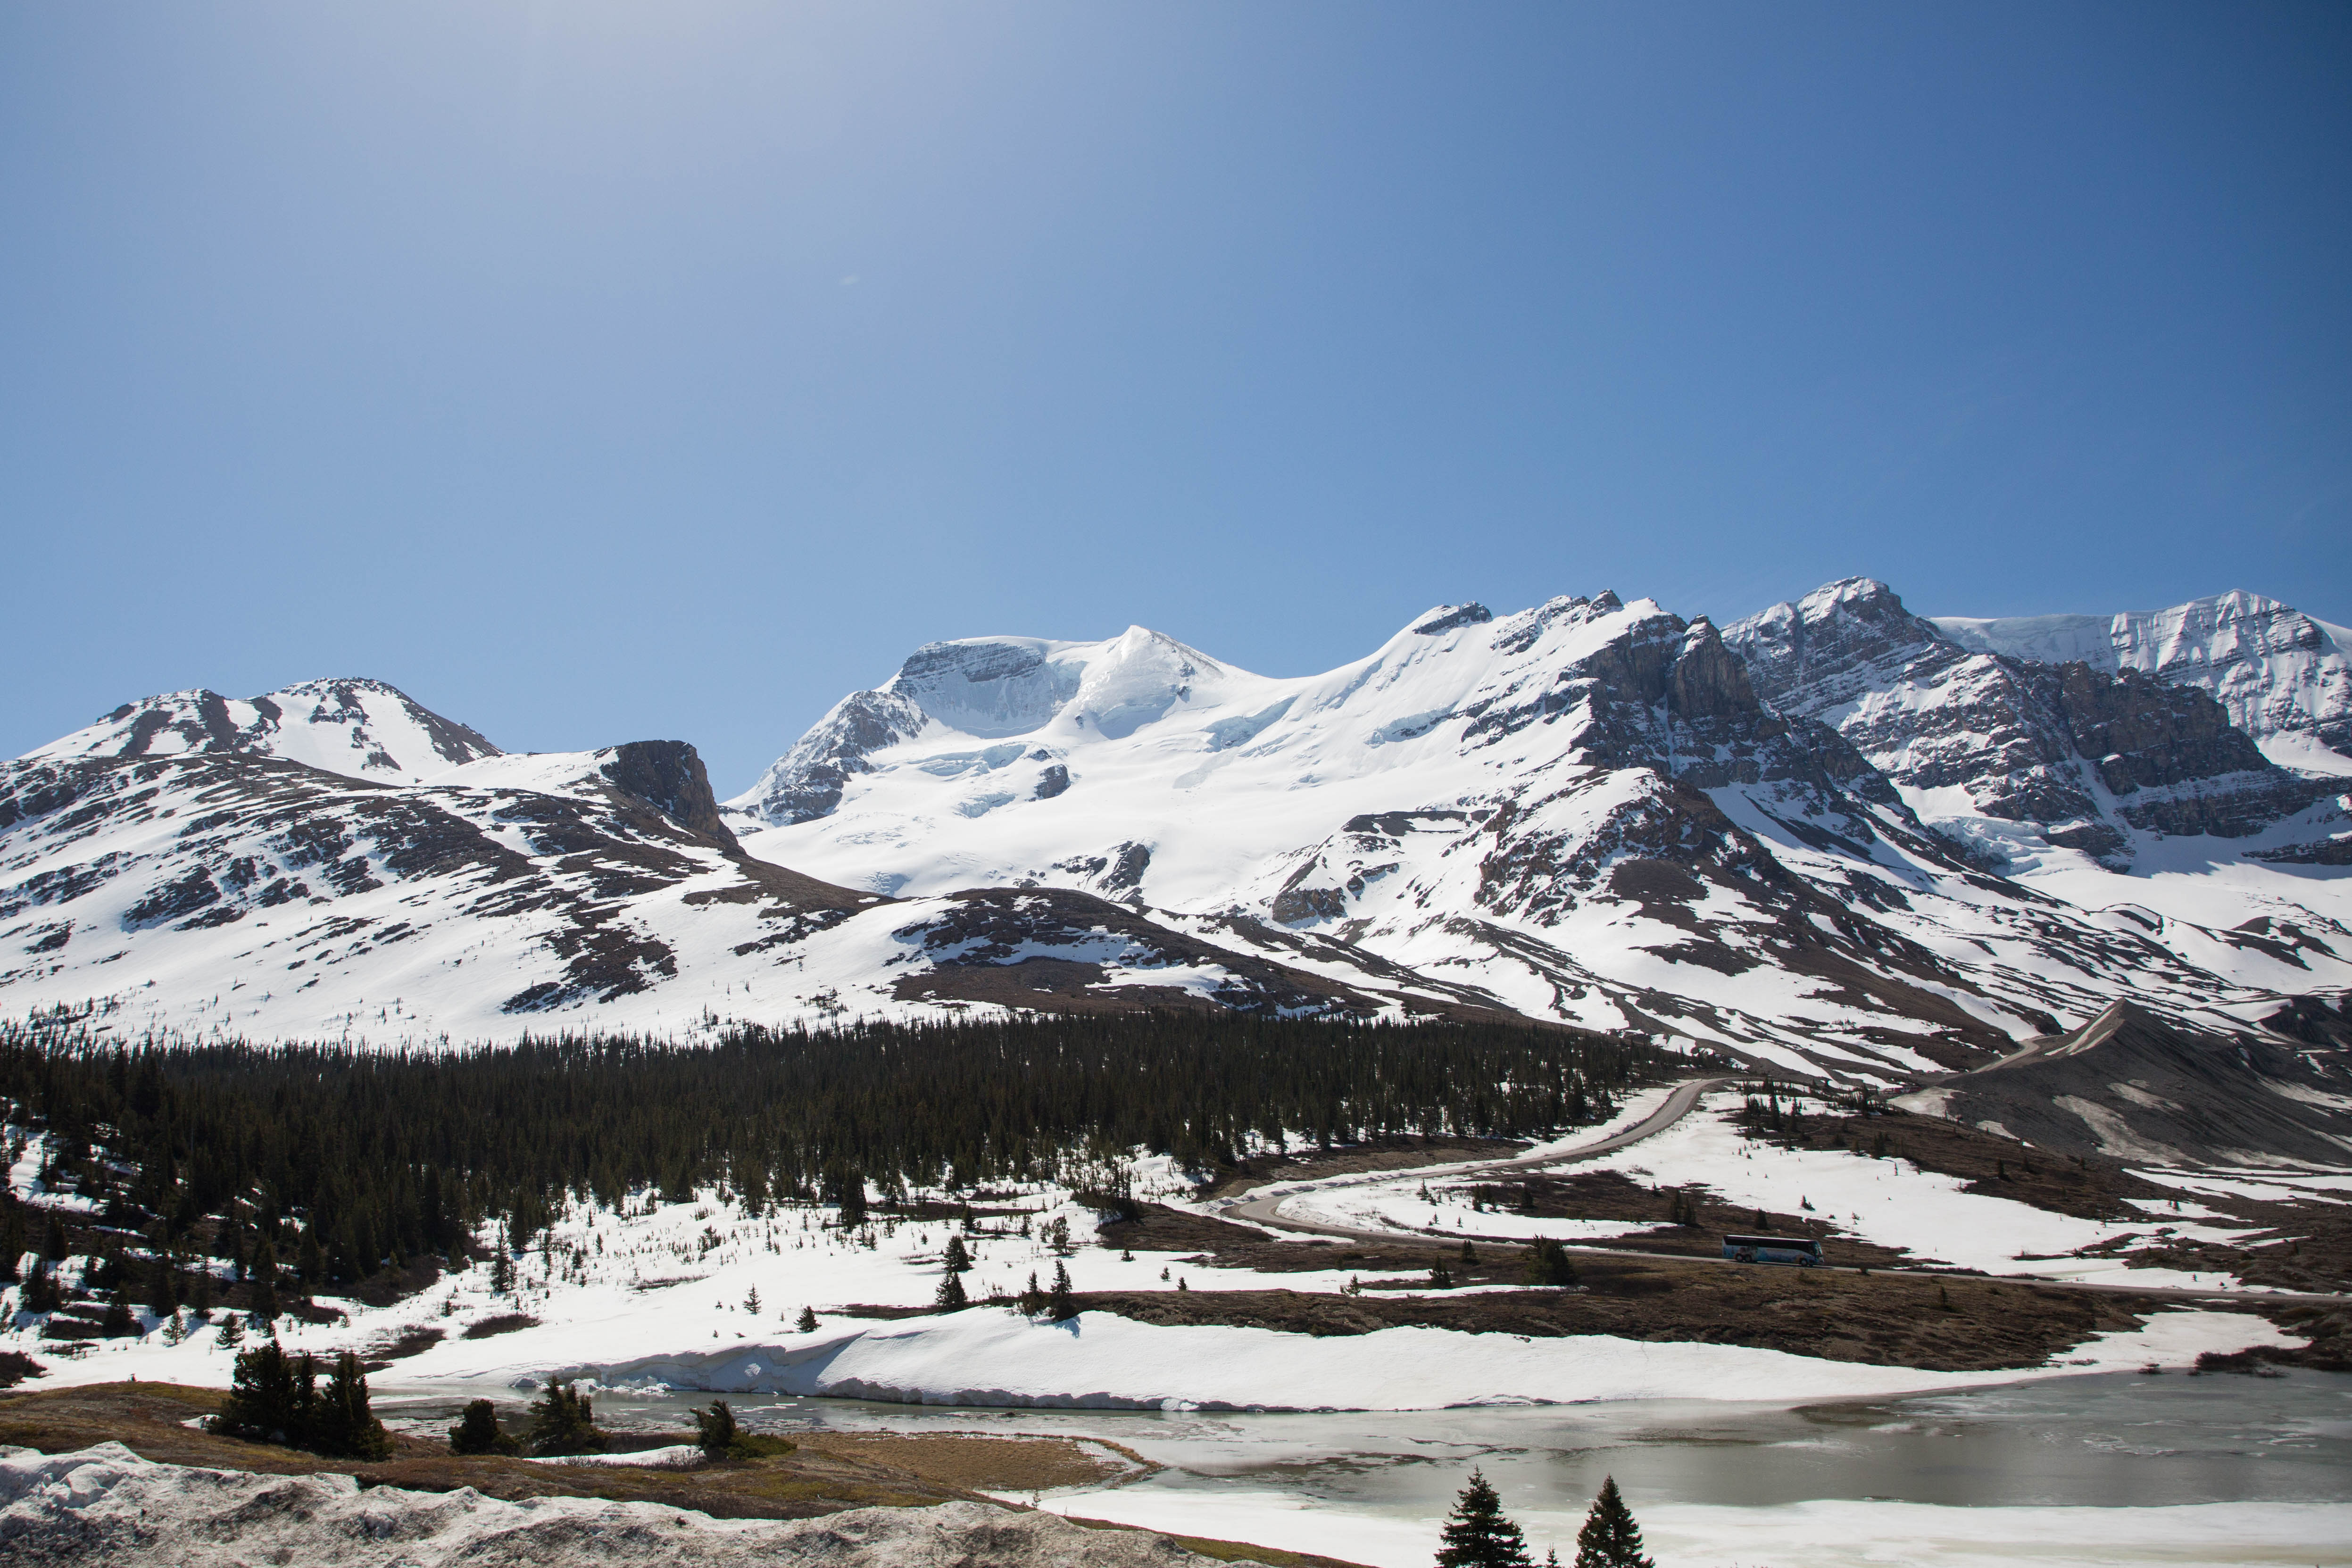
(353, 724)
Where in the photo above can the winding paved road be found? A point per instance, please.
(1265, 1210)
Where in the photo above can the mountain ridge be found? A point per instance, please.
(1592, 812)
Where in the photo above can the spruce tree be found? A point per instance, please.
(308, 1264)
(1476, 1533)
(1059, 1306)
(477, 1431)
(1549, 1264)
(950, 1295)
(1033, 1299)
(53, 1240)
(807, 1323)
(265, 1401)
(232, 1332)
(1610, 1538)
(957, 1258)
(341, 1424)
(261, 1286)
(714, 1429)
(564, 1422)
(12, 1247)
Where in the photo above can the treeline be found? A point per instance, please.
(385, 1155)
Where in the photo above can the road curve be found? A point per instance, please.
(1265, 1210)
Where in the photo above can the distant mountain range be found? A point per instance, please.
(1833, 837)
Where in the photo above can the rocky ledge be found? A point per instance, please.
(105, 1506)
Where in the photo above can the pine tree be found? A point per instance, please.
(53, 1240)
(477, 1431)
(751, 1302)
(957, 1258)
(341, 1424)
(1032, 1300)
(308, 1265)
(232, 1332)
(262, 1286)
(950, 1295)
(163, 1287)
(502, 1270)
(1059, 1306)
(1549, 1264)
(40, 1288)
(1610, 1538)
(1476, 1533)
(807, 1323)
(116, 1322)
(1440, 1277)
(564, 1422)
(714, 1429)
(12, 1247)
(268, 1397)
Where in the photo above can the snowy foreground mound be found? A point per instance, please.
(106, 1505)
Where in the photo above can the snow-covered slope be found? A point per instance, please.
(218, 891)
(363, 728)
(1581, 812)
(2285, 677)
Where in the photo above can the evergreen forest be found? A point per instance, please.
(311, 1166)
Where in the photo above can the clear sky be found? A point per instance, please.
(602, 372)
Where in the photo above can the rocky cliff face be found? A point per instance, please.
(2284, 678)
(2007, 753)
(669, 775)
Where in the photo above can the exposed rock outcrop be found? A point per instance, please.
(2284, 678)
(669, 774)
(2074, 755)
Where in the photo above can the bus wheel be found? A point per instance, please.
(1807, 1261)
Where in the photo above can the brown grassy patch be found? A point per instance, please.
(1884, 1320)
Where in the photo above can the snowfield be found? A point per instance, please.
(704, 1296)
(1813, 1534)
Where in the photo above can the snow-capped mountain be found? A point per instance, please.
(1831, 839)
(2033, 765)
(2284, 678)
(215, 889)
(360, 728)
(1581, 812)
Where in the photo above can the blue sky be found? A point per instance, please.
(603, 372)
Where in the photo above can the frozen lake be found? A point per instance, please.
(2104, 1469)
